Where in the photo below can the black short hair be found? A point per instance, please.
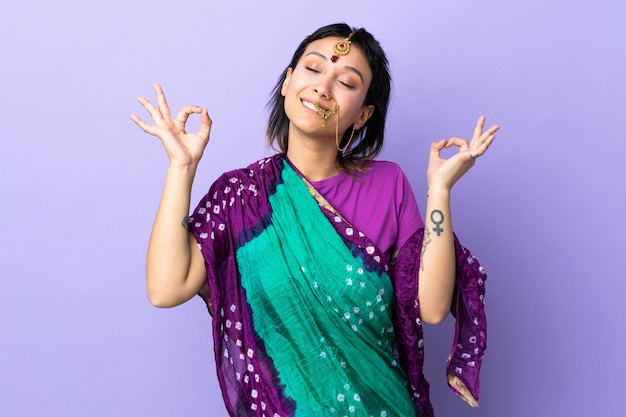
(368, 141)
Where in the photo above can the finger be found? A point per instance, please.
(460, 142)
(142, 125)
(435, 147)
(478, 141)
(486, 137)
(153, 111)
(205, 123)
(493, 129)
(185, 112)
(162, 102)
(480, 124)
(489, 141)
(476, 151)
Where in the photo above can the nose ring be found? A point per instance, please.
(325, 113)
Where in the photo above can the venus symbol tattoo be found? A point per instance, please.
(438, 229)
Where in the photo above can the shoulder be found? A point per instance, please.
(388, 179)
(382, 171)
(385, 166)
(244, 186)
(255, 174)
(249, 172)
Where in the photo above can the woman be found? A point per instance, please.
(310, 260)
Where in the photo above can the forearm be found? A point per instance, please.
(169, 254)
(437, 261)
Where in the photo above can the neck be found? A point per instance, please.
(315, 159)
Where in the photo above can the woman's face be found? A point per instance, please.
(316, 79)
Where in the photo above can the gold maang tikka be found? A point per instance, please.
(341, 48)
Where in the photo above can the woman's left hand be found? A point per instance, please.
(446, 172)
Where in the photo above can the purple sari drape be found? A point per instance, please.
(470, 339)
(235, 210)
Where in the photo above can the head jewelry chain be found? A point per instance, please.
(341, 48)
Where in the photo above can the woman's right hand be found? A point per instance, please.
(183, 149)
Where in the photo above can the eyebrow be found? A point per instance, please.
(348, 67)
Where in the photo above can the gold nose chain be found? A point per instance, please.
(324, 114)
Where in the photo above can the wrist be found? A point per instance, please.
(182, 167)
(186, 171)
(438, 190)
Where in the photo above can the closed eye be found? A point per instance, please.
(312, 69)
(351, 87)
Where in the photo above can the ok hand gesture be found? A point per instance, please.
(182, 148)
(446, 172)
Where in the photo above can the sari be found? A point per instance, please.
(309, 317)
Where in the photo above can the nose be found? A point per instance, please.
(322, 89)
(322, 93)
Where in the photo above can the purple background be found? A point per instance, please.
(79, 186)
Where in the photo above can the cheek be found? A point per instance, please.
(289, 87)
(355, 107)
(289, 105)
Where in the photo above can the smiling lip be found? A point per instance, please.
(310, 105)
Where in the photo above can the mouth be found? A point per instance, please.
(322, 111)
(312, 106)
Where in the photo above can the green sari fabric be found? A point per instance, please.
(324, 316)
